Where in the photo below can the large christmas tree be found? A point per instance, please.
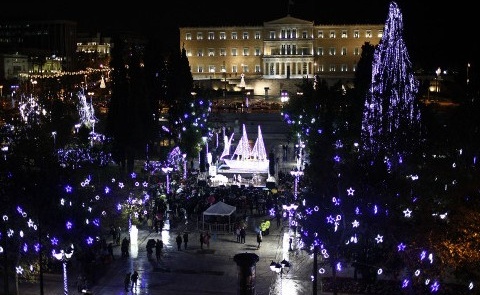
(391, 128)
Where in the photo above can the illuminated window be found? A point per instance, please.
(200, 52)
(199, 36)
(223, 52)
(354, 67)
(321, 68)
(245, 51)
(380, 34)
(356, 51)
(258, 51)
(234, 69)
(189, 52)
(332, 34)
(234, 51)
(356, 34)
(211, 52)
(257, 35)
(331, 51)
(223, 36)
(188, 36)
(344, 68)
(368, 33)
(245, 35)
(200, 69)
(257, 68)
(211, 69)
(320, 35)
(332, 68)
(344, 50)
(272, 35)
(245, 68)
(211, 35)
(234, 36)
(320, 51)
(304, 34)
(344, 34)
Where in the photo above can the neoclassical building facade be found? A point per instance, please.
(285, 48)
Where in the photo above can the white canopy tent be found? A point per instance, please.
(219, 209)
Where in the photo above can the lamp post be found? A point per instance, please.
(280, 268)
(167, 171)
(291, 211)
(64, 256)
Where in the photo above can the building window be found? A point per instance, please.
(344, 50)
(211, 69)
(188, 36)
(200, 52)
(380, 34)
(211, 52)
(356, 34)
(332, 34)
(320, 51)
(234, 69)
(282, 34)
(356, 51)
(320, 35)
(223, 52)
(245, 35)
(272, 35)
(344, 34)
(258, 51)
(234, 36)
(344, 68)
(321, 68)
(332, 68)
(199, 36)
(257, 35)
(368, 34)
(223, 69)
(223, 36)
(272, 69)
(257, 68)
(211, 35)
(244, 68)
(294, 33)
(331, 51)
(189, 52)
(354, 67)
(234, 51)
(245, 51)
(200, 69)
(304, 34)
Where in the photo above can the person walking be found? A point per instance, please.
(237, 233)
(134, 279)
(179, 242)
(185, 240)
(259, 239)
(126, 281)
(243, 234)
(202, 239)
(207, 239)
(158, 249)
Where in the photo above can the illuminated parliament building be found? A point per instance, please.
(284, 49)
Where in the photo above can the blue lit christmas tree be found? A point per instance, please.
(391, 128)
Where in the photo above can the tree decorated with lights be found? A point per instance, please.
(391, 127)
(377, 194)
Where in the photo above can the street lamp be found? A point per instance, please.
(64, 256)
(167, 171)
(279, 267)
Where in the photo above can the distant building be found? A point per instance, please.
(282, 49)
(40, 41)
(11, 65)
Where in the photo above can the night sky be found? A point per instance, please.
(435, 34)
